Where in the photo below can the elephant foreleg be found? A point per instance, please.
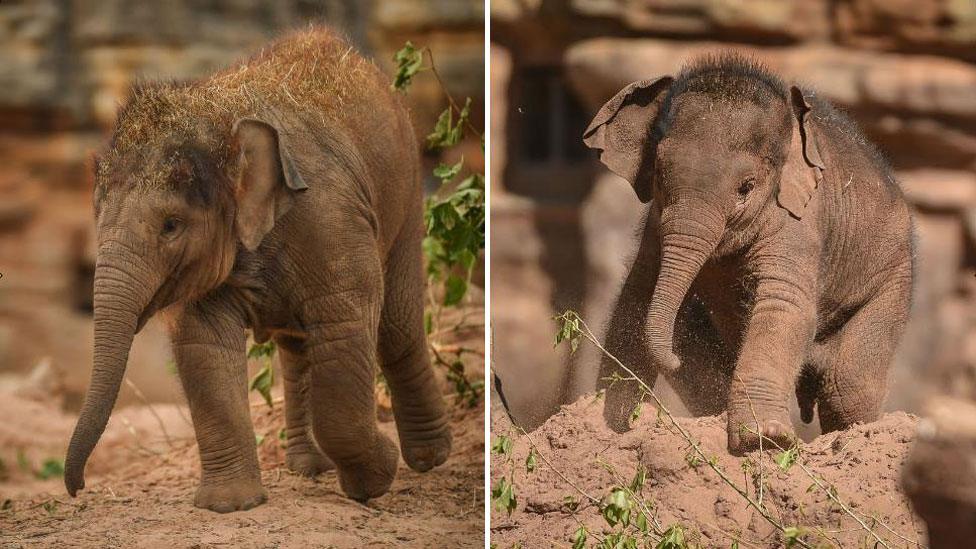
(209, 346)
(778, 336)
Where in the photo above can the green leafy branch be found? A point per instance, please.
(503, 496)
(454, 219)
(410, 62)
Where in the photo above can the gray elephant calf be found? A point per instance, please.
(776, 256)
(281, 195)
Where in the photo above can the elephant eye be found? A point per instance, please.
(746, 187)
(171, 226)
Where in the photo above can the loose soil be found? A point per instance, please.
(140, 485)
(861, 464)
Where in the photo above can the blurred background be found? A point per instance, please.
(563, 228)
(64, 67)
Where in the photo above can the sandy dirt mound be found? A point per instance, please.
(140, 486)
(861, 466)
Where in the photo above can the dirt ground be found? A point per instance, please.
(140, 485)
(861, 466)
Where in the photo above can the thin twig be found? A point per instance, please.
(755, 417)
(152, 410)
(450, 98)
(557, 471)
(457, 349)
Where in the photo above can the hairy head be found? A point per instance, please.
(719, 135)
(174, 176)
(727, 79)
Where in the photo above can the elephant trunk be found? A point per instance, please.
(690, 231)
(120, 298)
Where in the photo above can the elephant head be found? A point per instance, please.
(173, 205)
(718, 149)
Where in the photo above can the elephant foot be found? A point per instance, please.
(226, 497)
(372, 475)
(423, 454)
(745, 436)
(308, 463)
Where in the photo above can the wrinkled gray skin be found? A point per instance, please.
(310, 237)
(776, 255)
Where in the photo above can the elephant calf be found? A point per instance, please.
(281, 195)
(776, 255)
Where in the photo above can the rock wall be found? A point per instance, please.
(905, 70)
(64, 67)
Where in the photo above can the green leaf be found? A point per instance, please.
(579, 538)
(454, 290)
(440, 137)
(465, 390)
(502, 445)
(642, 523)
(636, 412)
(408, 61)
(503, 496)
(792, 535)
(787, 458)
(637, 484)
(258, 439)
(673, 538)
(530, 462)
(282, 434)
(571, 503)
(262, 382)
(617, 507)
(50, 468)
(446, 172)
(447, 132)
(569, 330)
(261, 350)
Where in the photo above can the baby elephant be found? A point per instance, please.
(281, 195)
(776, 254)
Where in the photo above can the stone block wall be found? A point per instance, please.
(65, 65)
(904, 70)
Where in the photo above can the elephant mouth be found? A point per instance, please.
(160, 300)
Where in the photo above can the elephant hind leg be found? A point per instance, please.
(418, 402)
(302, 454)
(854, 381)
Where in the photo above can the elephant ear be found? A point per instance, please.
(267, 181)
(803, 171)
(621, 131)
